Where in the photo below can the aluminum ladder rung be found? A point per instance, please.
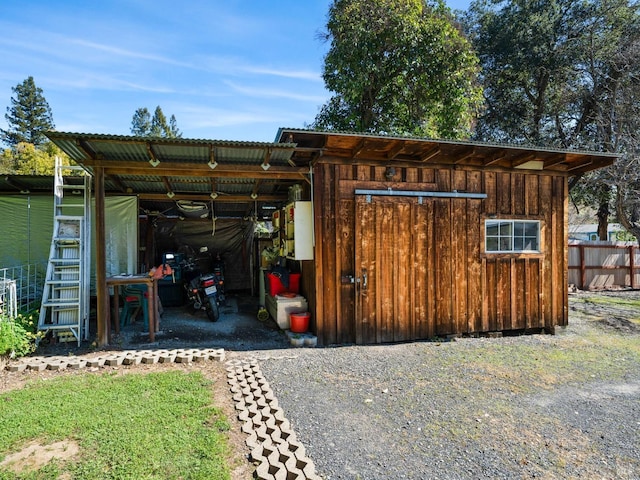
(69, 304)
(62, 282)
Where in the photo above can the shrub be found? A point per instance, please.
(18, 336)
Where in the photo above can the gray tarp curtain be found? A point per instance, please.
(232, 239)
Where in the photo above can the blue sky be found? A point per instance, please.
(227, 69)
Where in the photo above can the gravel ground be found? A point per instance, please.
(537, 406)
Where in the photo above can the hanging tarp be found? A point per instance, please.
(26, 226)
(121, 235)
(232, 239)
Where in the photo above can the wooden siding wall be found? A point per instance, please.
(461, 289)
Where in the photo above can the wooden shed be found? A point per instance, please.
(411, 238)
(421, 238)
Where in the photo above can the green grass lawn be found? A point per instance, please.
(134, 426)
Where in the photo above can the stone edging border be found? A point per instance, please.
(273, 443)
(115, 359)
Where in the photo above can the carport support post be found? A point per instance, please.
(102, 295)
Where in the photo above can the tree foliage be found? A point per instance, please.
(28, 117)
(143, 125)
(563, 73)
(398, 67)
(26, 159)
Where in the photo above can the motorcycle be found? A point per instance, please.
(202, 293)
(203, 289)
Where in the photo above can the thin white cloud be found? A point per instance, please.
(121, 52)
(297, 74)
(261, 92)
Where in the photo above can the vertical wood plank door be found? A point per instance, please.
(394, 258)
(417, 268)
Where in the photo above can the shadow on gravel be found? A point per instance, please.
(237, 329)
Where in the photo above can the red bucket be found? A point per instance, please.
(299, 322)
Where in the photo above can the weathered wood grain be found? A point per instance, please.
(427, 272)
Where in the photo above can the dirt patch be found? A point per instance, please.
(621, 324)
(616, 310)
(35, 455)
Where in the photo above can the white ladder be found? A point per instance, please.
(66, 293)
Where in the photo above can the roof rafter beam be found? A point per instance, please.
(256, 187)
(578, 166)
(358, 148)
(118, 183)
(214, 188)
(213, 163)
(153, 160)
(86, 148)
(557, 160)
(462, 157)
(495, 158)
(204, 198)
(200, 170)
(267, 158)
(17, 185)
(430, 153)
(395, 150)
(168, 187)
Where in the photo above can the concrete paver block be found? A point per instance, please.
(270, 438)
(132, 359)
(150, 359)
(96, 362)
(37, 366)
(114, 361)
(76, 363)
(16, 367)
(56, 365)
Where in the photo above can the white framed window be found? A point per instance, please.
(512, 236)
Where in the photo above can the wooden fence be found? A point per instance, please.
(597, 265)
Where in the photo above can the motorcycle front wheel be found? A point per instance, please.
(213, 312)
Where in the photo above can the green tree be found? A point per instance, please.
(28, 117)
(398, 67)
(563, 73)
(143, 125)
(26, 159)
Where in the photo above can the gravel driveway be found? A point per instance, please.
(562, 406)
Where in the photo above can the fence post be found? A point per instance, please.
(632, 266)
(583, 270)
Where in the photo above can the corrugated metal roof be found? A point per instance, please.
(131, 148)
(231, 173)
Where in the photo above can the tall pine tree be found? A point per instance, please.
(28, 117)
(143, 125)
